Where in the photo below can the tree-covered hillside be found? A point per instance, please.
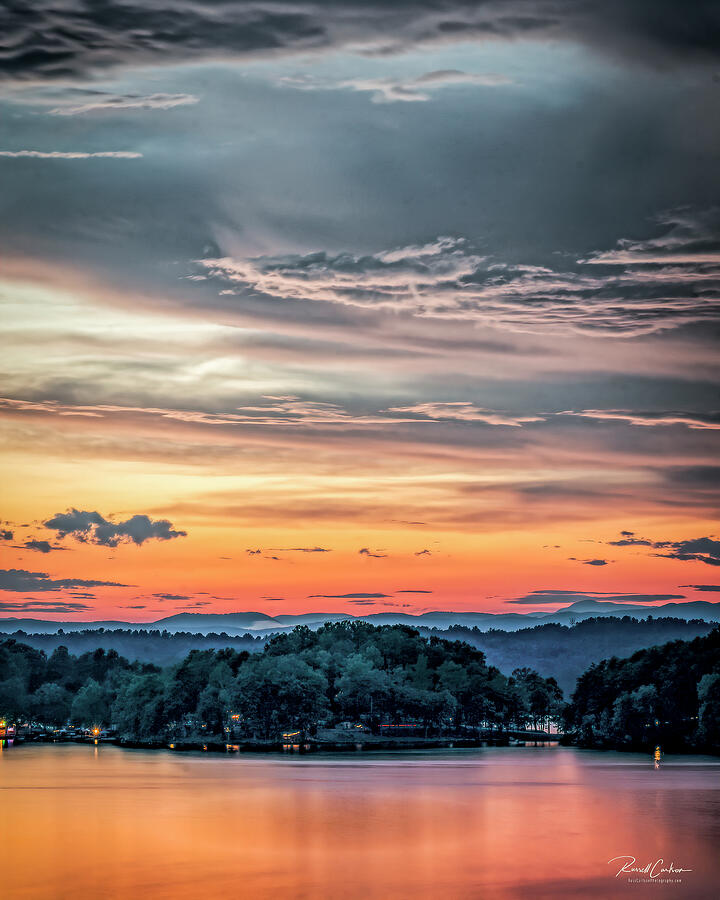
(667, 695)
(565, 651)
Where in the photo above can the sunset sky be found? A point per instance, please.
(357, 307)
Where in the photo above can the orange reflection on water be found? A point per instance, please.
(496, 823)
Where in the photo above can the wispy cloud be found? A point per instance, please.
(463, 411)
(398, 90)
(696, 422)
(288, 411)
(70, 154)
(619, 292)
(354, 596)
(100, 102)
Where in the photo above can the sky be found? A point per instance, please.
(357, 307)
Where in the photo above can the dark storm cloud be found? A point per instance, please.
(359, 596)
(561, 596)
(48, 39)
(91, 527)
(21, 580)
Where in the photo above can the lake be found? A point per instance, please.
(80, 820)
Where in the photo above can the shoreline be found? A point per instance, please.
(302, 747)
(308, 748)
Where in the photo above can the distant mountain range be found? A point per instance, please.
(258, 623)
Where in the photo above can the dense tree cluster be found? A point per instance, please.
(559, 651)
(343, 671)
(60, 687)
(667, 695)
(163, 648)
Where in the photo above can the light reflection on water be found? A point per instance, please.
(490, 823)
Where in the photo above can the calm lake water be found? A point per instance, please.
(84, 821)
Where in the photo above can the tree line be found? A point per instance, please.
(343, 671)
(352, 671)
(562, 652)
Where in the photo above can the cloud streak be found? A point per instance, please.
(70, 154)
(626, 291)
(37, 606)
(564, 596)
(101, 102)
(355, 596)
(398, 90)
(21, 580)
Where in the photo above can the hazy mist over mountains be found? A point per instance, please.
(260, 623)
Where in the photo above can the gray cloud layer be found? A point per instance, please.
(47, 39)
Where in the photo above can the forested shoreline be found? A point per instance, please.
(371, 678)
(302, 680)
